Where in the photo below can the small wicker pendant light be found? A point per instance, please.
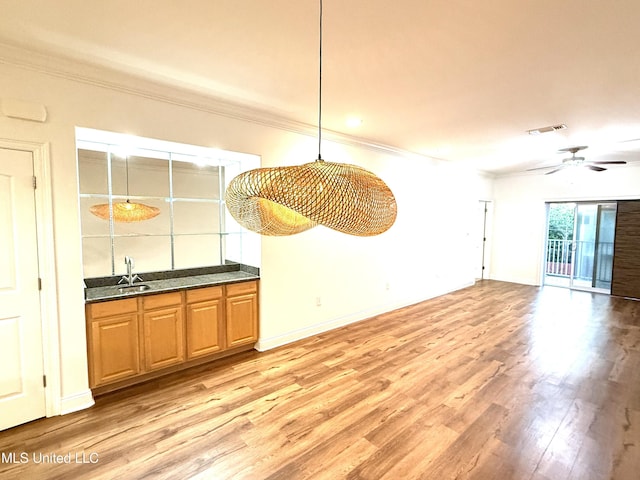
(126, 211)
(290, 200)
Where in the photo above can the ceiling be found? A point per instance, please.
(460, 80)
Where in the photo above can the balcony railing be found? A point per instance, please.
(563, 255)
(559, 257)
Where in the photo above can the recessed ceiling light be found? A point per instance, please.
(353, 122)
(550, 128)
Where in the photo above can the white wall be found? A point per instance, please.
(429, 251)
(426, 253)
(519, 219)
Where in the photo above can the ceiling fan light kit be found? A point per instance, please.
(281, 201)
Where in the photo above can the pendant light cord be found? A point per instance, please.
(126, 163)
(320, 91)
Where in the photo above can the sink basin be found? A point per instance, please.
(133, 288)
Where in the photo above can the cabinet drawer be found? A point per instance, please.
(113, 307)
(162, 300)
(202, 294)
(242, 288)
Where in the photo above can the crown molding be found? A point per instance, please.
(166, 92)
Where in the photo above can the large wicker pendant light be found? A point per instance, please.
(289, 200)
(126, 211)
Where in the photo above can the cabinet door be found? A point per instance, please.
(242, 319)
(114, 345)
(163, 337)
(205, 328)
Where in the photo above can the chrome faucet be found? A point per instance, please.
(129, 277)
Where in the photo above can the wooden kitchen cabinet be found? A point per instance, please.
(142, 337)
(205, 321)
(242, 313)
(114, 346)
(163, 327)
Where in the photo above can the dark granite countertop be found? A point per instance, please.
(96, 293)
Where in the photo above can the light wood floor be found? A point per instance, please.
(496, 381)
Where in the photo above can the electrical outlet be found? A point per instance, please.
(318, 301)
(387, 287)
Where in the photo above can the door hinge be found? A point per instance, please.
(39, 283)
(44, 381)
(35, 182)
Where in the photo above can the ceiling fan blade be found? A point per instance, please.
(542, 168)
(610, 162)
(573, 150)
(554, 171)
(595, 169)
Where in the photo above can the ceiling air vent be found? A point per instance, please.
(551, 128)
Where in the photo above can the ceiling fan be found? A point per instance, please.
(574, 161)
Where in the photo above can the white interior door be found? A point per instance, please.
(22, 394)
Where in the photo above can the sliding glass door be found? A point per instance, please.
(579, 251)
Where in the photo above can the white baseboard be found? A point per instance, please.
(520, 280)
(75, 402)
(265, 344)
